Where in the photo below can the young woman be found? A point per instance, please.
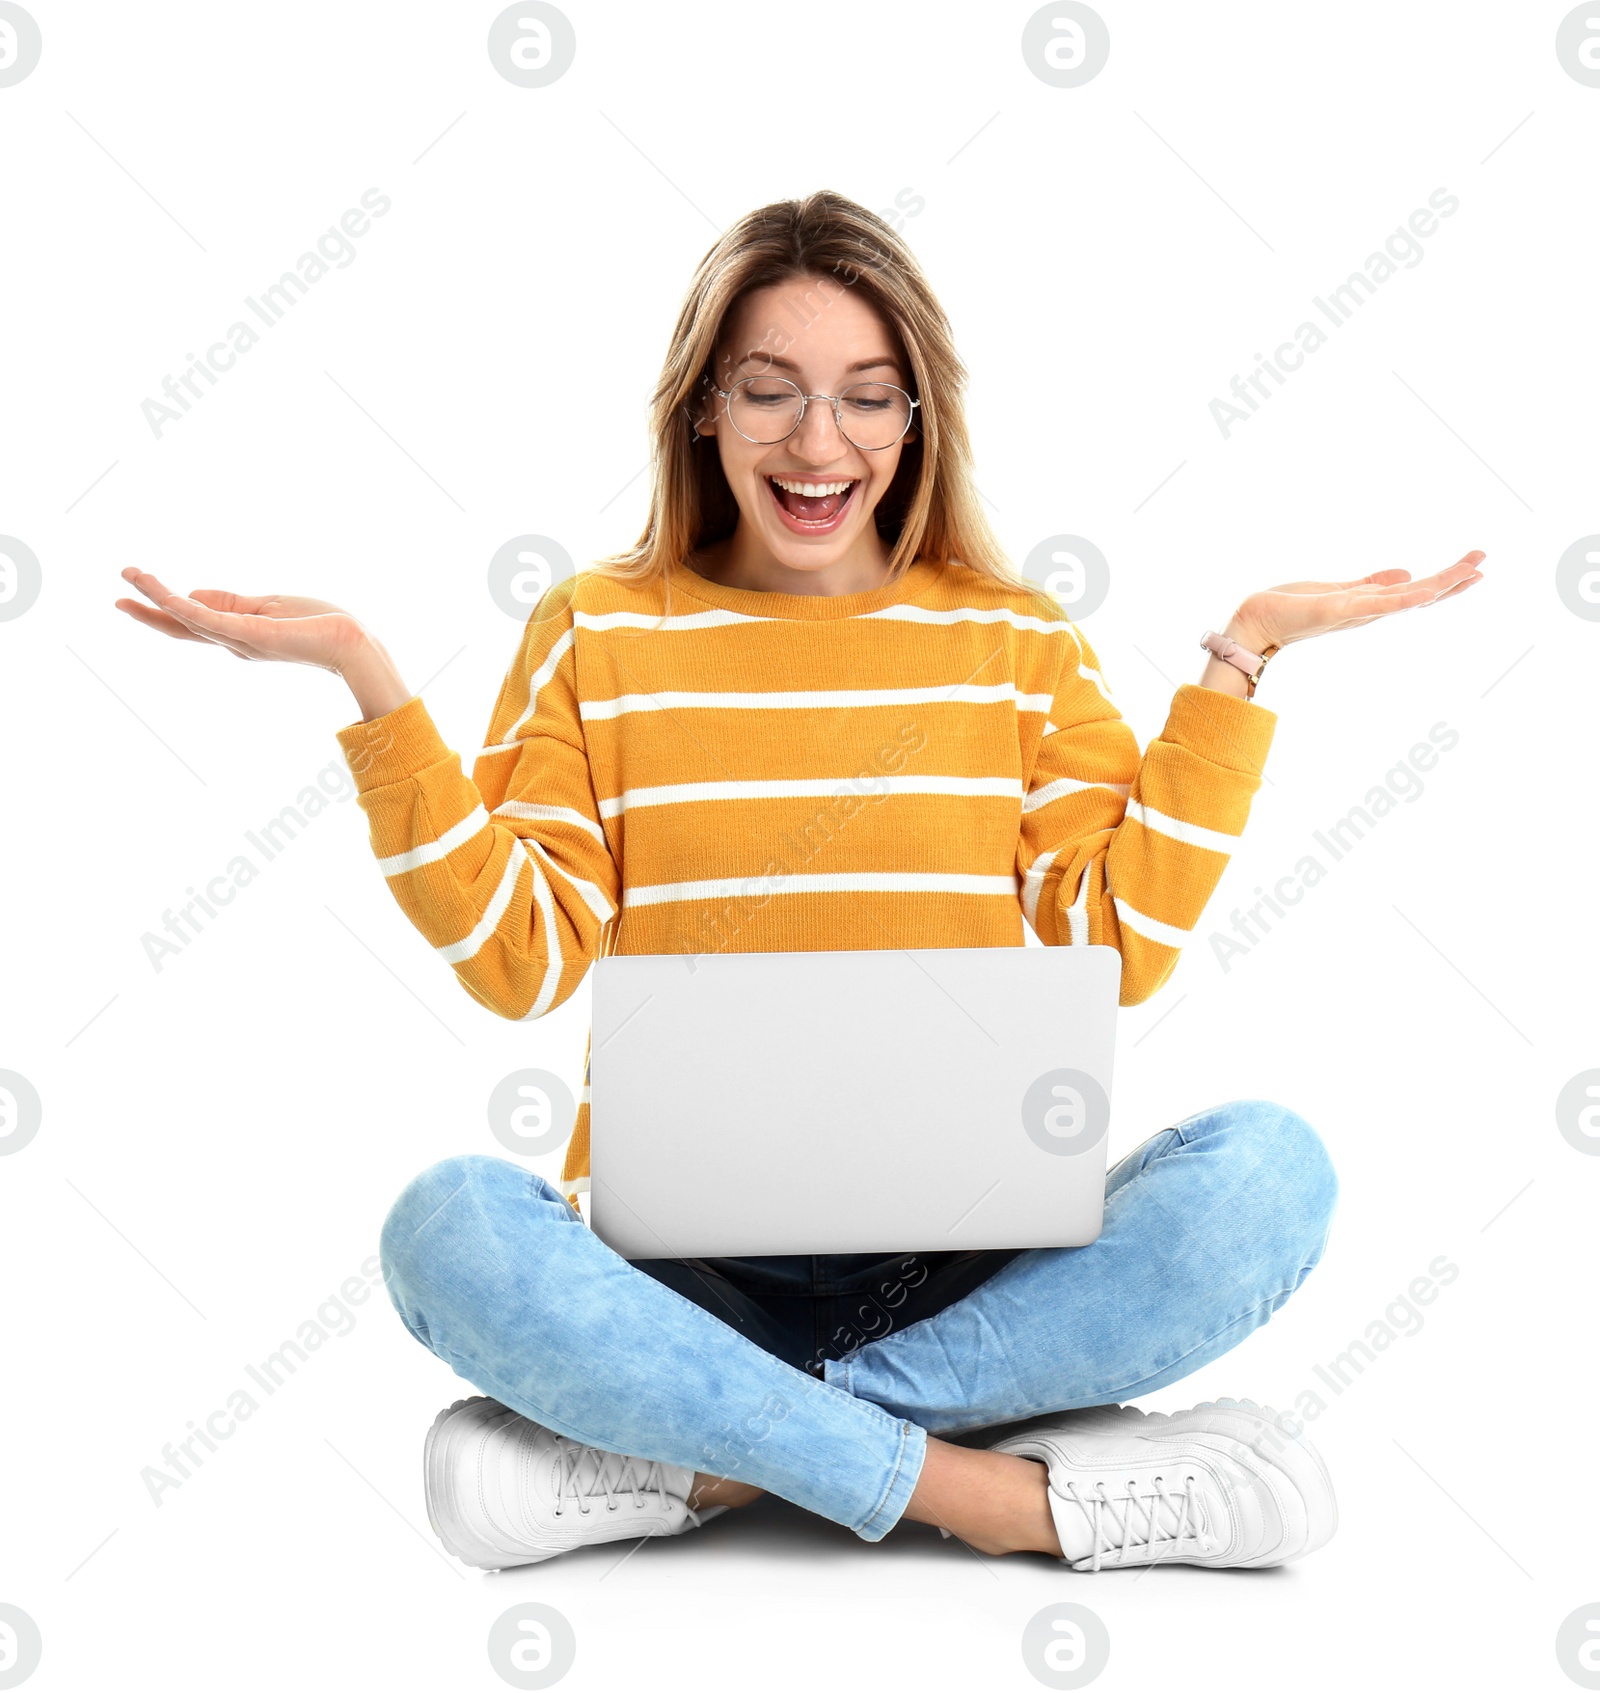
(817, 602)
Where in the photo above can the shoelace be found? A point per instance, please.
(1101, 1506)
(613, 1474)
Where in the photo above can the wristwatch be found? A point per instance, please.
(1241, 657)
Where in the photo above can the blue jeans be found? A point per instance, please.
(820, 1379)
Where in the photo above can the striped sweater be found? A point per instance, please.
(926, 764)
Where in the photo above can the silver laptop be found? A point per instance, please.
(945, 1099)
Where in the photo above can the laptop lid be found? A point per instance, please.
(944, 1099)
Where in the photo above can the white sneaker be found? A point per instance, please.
(1227, 1484)
(503, 1491)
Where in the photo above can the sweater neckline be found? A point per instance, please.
(761, 602)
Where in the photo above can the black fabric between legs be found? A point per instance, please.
(807, 1309)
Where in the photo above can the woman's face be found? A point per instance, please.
(824, 337)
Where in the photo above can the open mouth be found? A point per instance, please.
(812, 507)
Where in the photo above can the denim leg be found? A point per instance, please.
(1209, 1227)
(492, 1271)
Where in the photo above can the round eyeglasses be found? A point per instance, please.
(768, 409)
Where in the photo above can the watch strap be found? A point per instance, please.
(1240, 656)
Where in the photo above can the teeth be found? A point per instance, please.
(813, 490)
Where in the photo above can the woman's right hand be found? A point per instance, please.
(286, 627)
(266, 626)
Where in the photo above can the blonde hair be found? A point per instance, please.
(931, 510)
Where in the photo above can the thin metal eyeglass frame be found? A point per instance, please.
(805, 400)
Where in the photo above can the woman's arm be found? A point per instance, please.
(375, 681)
(1115, 850)
(1121, 851)
(508, 876)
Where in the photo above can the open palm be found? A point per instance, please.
(1295, 611)
(286, 627)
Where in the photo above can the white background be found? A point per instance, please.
(221, 1138)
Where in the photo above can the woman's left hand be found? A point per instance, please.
(1298, 610)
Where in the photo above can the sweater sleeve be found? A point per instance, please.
(508, 875)
(1121, 851)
